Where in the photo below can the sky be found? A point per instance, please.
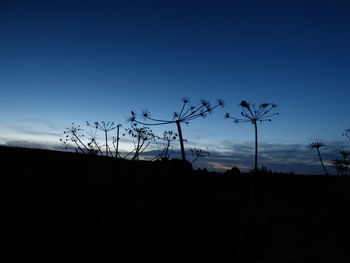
(77, 61)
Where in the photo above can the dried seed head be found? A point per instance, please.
(244, 104)
(221, 102)
(146, 114)
(185, 100)
(204, 102)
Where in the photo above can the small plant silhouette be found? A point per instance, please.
(347, 134)
(74, 134)
(185, 115)
(342, 165)
(254, 113)
(316, 144)
(142, 137)
(116, 142)
(345, 154)
(93, 144)
(104, 127)
(168, 138)
(198, 153)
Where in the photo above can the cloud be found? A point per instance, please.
(295, 158)
(282, 157)
(37, 145)
(36, 132)
(36, 129)
(42, 123)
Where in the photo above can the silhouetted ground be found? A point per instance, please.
(59, 207)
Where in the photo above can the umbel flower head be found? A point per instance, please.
(316, 144)
(254, 113)
(186, 114)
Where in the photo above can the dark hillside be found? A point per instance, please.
(59, 206)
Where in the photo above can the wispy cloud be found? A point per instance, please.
(282, 157)
(295, 158)
(37, 145)
(31, 129)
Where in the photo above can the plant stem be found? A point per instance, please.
(256, 146)
(116, 150)
(77, 137)
(181, 140)
(106, 143)
(319, 156)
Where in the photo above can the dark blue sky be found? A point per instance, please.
(64, 61)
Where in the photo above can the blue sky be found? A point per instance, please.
(72, 61)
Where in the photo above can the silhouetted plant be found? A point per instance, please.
(74, 134)
(316, 144)
(198, 153)
(115, 142)
(341, 166)
(93, 144)
(142, 137)
(254, 113)
(345, 154)
(186, 114)
(105, 127)
(168, 138)
(347, 133)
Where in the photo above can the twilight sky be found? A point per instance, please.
(73, 61)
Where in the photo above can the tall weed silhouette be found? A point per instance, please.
(316, 144)
(254, 113)
(185, 115)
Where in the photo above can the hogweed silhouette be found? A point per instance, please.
(345, 154)
(74, 134)
(254, 113)
(167, 139)
(342, 165)
(185, 115)
(93, 144)
(141, 137)
(104, 127)
(316, 144)
(198, 153)
(347, 134)
(115, 142)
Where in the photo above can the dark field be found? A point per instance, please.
(59, 207)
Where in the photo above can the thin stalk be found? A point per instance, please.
(77, 137)
(137, 149)
(195, 159)
(181, 140)
(78, 146)
(117, 148)
(256, 146)
(106, 143)
(319, 156)
(98, 147)
(144, 148)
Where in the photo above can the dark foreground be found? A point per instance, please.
(59, 207)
